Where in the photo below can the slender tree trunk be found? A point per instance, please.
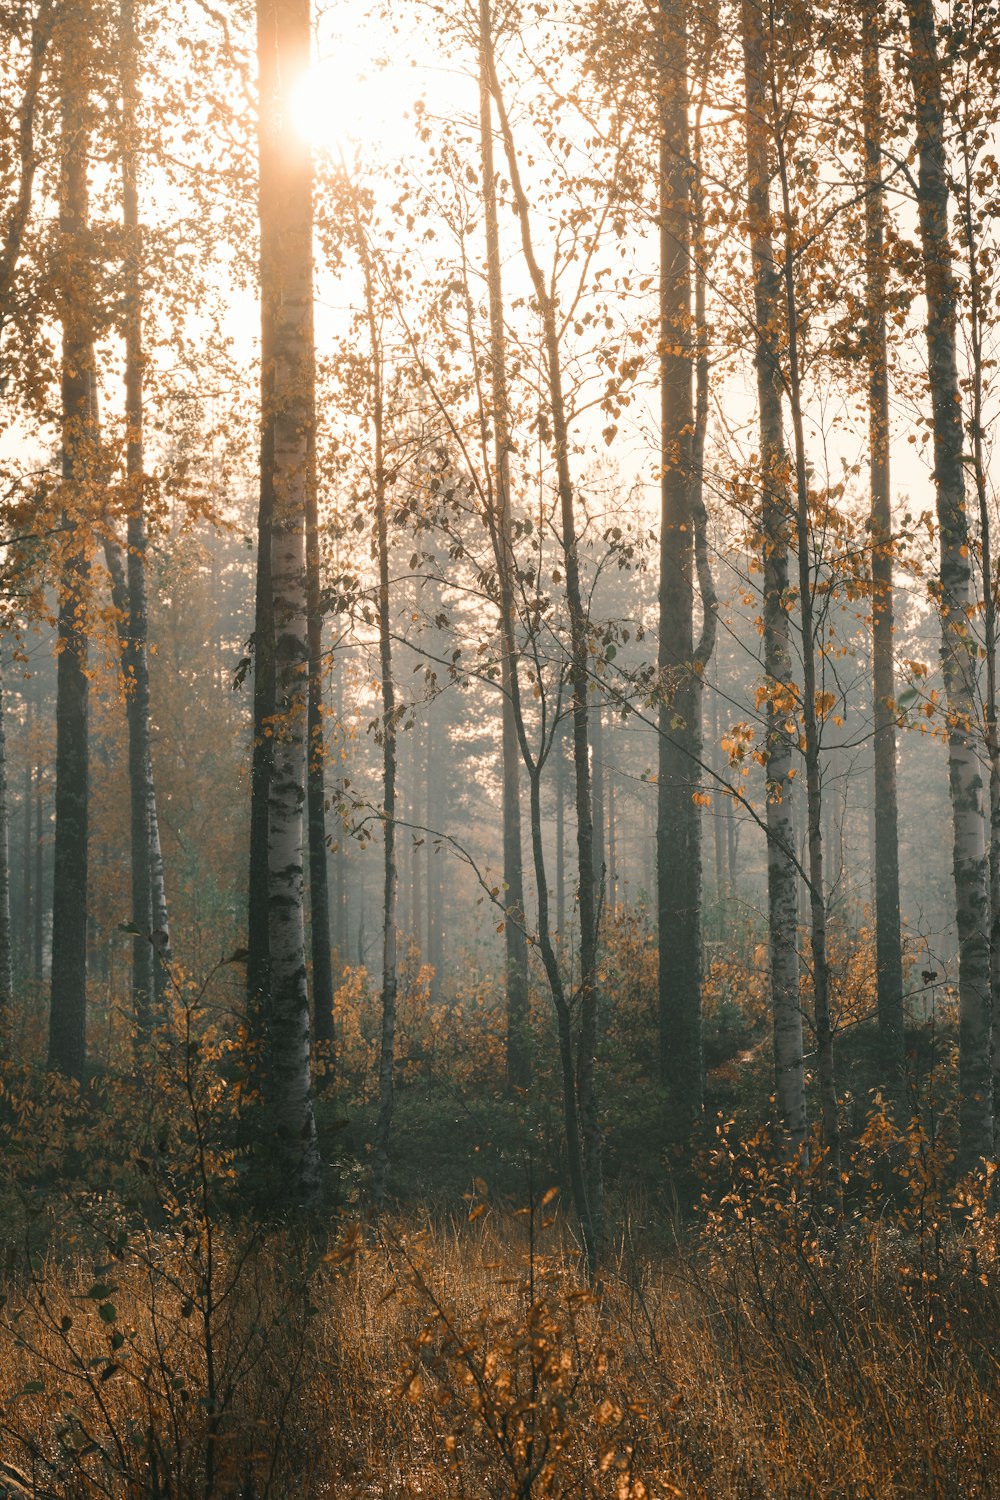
(560, 790)
(39, 934)
(387, 1050)
(68, 1013)
(518, 1063)
(6, 952)
(958, 651)
(978, 328)
(678, 816)
(137, 718)
(588, 1196)
(419, 931)
(599, 800)
(829, 1107)
(28, 865)
(718, 812)
(612, 880)
(319, 893)
(151, 946)
(283, 33)
(387, 1054)
(782, 878)
(340, 912)
(434, 774)
(888, 947)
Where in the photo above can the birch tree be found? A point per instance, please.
(286, 276)
(955, 595)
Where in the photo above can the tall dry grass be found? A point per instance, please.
(469, 1360)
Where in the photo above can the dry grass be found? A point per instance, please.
(452, 1361)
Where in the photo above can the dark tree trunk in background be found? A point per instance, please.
(600, 810)
(6, 952)
(68, 1013)
(560, 791)
(38, 958)
(416, 861)
(678, 816)
(979, 329)
(888, 947)
(340, 861)
(435, 774)
(28, 863)
(612, 880)
(958, 647)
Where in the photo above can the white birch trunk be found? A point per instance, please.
(286, 292)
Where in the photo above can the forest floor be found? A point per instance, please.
(762, 1357)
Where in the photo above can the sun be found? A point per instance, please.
(346, 101)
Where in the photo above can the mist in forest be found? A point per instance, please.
(499, 757)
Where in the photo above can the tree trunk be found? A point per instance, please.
(588, 1195)
(415, 863)
(978, 327)
(283, 33)
(829, 1107)
(518, 1062)
(340, 911)
(719, 801)
(433, 774)
(38, 959)
(151, 946)
(888, 947)
(68, 1013)
(782, 877)
(958, 649)
(258, 941)
(387, 1050)
(612, 880)
(598, 784)
(560, 790)
(6, 954)
(319, 893)
(678, 835)
(28, 865)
